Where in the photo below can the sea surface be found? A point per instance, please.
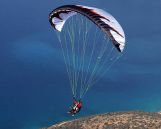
(34, 87)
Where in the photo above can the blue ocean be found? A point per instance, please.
(34, 87)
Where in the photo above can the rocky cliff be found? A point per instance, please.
(118, 120)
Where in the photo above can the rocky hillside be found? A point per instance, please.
(118, 120)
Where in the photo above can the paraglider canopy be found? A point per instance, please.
(105, 21)
(88, 42)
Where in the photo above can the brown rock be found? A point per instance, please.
(117, 120)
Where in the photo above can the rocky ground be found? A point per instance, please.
(118, 120)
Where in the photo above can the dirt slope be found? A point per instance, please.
(118, 120)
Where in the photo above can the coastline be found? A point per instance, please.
(120, 120)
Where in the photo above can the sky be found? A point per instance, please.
(32, 70)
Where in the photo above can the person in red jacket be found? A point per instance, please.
(76, 107)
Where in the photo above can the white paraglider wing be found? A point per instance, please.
(105, 21)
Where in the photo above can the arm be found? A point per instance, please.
(74, 98)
